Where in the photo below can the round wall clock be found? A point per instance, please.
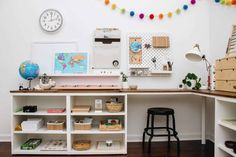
(51, 20)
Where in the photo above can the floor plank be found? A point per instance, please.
(159, 149)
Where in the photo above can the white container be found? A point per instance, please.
(32, 124)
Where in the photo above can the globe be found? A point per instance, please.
(29, 70)
(135, 47)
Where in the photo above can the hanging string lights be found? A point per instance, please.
(151, 16)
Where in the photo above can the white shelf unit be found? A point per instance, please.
(66, 100)
(224, 109)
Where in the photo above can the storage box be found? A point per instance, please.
(32, 124)
(55, 125)
(225, 74)
(112, 126)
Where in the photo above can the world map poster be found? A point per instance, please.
(71, 63)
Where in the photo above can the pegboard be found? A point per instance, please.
(148, 53)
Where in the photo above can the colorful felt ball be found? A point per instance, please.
(193, 2)
(170, 14)
(161, 16)
(123, 10)
(185, 7)
(233, 2)
(141, 16)
(178, 11)
(217, 1)
(132, 13)
(106, 2)
(151, 16)
(113, 6)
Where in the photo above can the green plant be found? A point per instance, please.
(189, 77)
(124, 77)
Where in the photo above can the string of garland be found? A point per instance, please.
(226, 2)
(150, 16)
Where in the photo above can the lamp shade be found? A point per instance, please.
(194, 54)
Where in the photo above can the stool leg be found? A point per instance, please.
(175, 135)
(167, 128)
(146, 129)
(152, 129)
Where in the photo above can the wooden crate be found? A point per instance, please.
(229, 86)
(226, 63)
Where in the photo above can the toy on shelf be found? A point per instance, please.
(32, 124)
(56, 110)
(55, 145)
(98, 105)
(81, 108)
(111, 124)
(108, 145)
(30, 109)
(45, 82)
(31, 144)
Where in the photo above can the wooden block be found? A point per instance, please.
(160, 42)
(229, 86)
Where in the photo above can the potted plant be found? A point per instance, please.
(124, 79)
(192, 81)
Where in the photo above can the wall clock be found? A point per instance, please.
(51, 20)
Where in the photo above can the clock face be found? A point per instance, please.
(51, 20)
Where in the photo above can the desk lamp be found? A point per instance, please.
(195, 55)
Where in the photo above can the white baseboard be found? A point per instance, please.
(210, 137)
(5, 138)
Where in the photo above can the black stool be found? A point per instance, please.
(150, 130)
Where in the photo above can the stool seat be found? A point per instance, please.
(160, 111)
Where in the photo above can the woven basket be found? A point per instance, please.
(114, 107)
(82, 126)
(81, 145)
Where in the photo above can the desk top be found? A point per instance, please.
(204, 92)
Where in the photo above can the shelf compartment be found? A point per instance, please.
(227, 150)
(94, 139)
(227, 125)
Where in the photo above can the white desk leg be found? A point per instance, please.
(203, 120)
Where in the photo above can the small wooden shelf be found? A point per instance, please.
(227, 150)
(42, 130)
(227, 125)
(38, 113)
(84, 75)
(96, 131)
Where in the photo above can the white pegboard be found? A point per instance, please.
(147, 54)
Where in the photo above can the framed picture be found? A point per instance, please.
(71, 62)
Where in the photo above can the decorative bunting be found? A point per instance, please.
(226, 2)
(152, 16)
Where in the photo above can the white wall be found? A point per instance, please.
(19, 27)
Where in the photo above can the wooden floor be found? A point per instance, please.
(188, 149)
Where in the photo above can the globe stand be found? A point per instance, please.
(29, 86)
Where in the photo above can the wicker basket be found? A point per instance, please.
(81, 145)
(105, 127)
(55, 125)
(114, 106)
(79, 125)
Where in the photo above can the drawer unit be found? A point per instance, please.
(226, 63)
(229, 74)
(226, 86)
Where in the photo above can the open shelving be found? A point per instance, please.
(66, 100)
(224, 131)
